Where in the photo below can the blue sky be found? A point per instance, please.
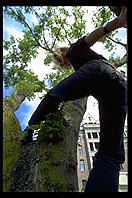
(10, 26)
(14, 26)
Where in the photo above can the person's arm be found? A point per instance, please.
(97, 34)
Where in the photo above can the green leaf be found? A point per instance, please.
(34, 127)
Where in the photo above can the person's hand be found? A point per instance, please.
(122, 19)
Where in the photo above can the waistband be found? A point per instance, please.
(108, 63)
(120, 76)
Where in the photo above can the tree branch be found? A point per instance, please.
(57, 34)
(26, 24)
(117, 42)
(36, 14)
(122, 62)
(68, 40)
(56, 37)
(43, 21)
(116, 9)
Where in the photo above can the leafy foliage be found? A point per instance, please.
(53, 25)
(15, 63)
(52, 131)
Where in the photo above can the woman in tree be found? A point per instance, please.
(95, 76)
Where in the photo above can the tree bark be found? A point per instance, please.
(16, 100)
(11, 146)
(50, 164)
(116, 9)
(42, 166)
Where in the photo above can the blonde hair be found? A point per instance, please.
(59, 57)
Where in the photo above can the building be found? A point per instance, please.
(123, 178)
(82, 159)
(88, 143)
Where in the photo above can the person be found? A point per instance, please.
(95, 76)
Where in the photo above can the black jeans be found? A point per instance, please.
(100, 80)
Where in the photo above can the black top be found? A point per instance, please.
(80, 53)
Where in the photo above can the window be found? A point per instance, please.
(125, 133)
(96, 145)
(79, 138)
(95, 135)
(93, 158)
(89, 119)
(83, 184)
(121, 167)
(82, 166)
(91, 146)
(80, 150)
(89, 135)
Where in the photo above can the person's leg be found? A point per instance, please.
(105, 173)
(104, 176)
(77, 85)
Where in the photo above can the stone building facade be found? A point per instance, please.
(88, 142)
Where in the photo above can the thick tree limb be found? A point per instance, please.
(116, 9)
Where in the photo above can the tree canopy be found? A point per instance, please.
(49, 164)
(54, 25)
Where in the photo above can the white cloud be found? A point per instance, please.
(26, 116)
(38, 67)
(11, 30)
(31, 106)
(34, 18)
(99, 48)
(123, 35)
(88, 17)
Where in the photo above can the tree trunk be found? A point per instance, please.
(11, 147)
(50, 163)
(16, 100)
(116, 9)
